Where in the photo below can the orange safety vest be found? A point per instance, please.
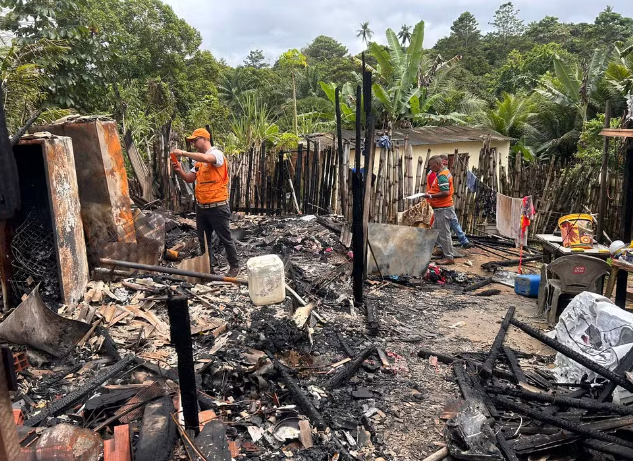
(212, 182)
(435, 189)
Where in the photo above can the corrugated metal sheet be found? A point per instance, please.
(432, 135)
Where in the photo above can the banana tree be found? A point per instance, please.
(619, 75)
(404, 77)
(574, 86)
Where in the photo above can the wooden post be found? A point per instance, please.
(248, 180)
(627, 218)
(370, 150)
(339, 138)
(602, 209)
(9, 443)
(358, 244)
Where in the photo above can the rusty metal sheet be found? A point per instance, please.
(67, 223)
(102, 179)
(65, 442)
(399, 250)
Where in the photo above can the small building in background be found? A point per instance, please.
(466, 141)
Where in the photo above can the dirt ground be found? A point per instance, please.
(412, 393)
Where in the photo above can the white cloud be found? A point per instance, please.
(230, 29)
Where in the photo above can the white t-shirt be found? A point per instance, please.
(219, 157)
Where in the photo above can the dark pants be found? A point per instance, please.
(217, 219)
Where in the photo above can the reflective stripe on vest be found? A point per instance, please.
(212, 182)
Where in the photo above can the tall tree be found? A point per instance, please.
(507, 23)
(292, 60)
(612, 27)
(256, 59)
(365, 33)
(465, 29)
(324, 48)
(405, 34)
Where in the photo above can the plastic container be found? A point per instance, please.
(266, 280)
(577, 230)
(527, 285)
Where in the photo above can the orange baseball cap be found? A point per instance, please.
(199, 133)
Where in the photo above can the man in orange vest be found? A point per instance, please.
(211, 176)
(440, 197)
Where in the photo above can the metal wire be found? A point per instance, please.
(34, 256)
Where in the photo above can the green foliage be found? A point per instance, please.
(256, 59)
(507, 23)
(510, 116)
(465, 30)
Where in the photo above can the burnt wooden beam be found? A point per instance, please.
(492, 265)
(562, 400)
(348, 350)
(302, 401)
(572, 354)
(478, 285)
(351, 369)
(514, 365)
(559, 422)
(158, 432)
(495, 350)
(449, 359)
(180, 329)
(77, 395)
(358, 245)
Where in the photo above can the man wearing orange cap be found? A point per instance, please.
(211, 176)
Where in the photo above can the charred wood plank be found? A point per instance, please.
(158, 432)
(492, 292)
(449, 359)
(514, 365)
(572, 354)
(609, 448)
(495, 350)
(478, 285)
(180, 328)
(492, 265)
(212, 441)
(344, 345)
(563, 400)
(77, 395)
(303, 402)
(559, 422)
(351, 369)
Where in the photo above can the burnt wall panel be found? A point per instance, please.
(66, 214)
(102, 180)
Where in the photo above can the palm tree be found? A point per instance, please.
(405, 34)
(510, 116)
(365, 33)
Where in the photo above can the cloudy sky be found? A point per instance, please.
(231, 28)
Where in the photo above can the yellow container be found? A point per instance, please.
(577, 230)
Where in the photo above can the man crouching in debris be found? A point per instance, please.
(440, 197)
(211, 176)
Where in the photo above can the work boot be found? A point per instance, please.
(446, 262)
(467, 245)
(438, 253)
(233, 271)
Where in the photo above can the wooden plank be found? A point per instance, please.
(9, 444)
(139, 167)
(118, 448)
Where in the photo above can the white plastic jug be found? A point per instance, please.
(266, 280)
